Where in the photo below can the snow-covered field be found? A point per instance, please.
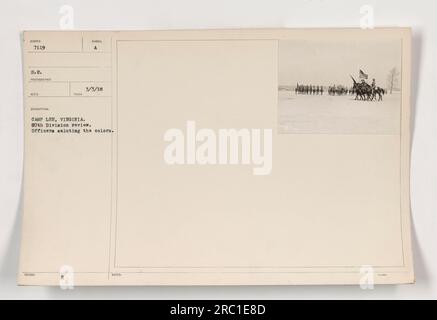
(338, 114)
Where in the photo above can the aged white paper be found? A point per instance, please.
(216, 157)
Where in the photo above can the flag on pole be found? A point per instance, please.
(363, 75)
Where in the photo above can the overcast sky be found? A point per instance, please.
(328, 62)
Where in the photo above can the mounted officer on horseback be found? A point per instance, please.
(366, 92)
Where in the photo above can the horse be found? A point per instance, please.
(363, 91)
(378, 91)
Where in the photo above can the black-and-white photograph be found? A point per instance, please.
(339, 87)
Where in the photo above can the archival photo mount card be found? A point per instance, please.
(216, 157)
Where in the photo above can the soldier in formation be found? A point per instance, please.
(309, 89)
